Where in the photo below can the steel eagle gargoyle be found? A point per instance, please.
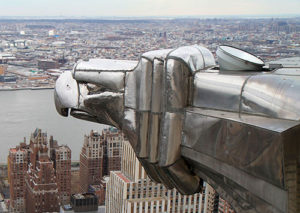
(190, 121)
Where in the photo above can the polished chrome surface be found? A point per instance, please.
(218, 91)
(144, 84)
(188, 121)
(272, 96)
(98, 64)
(142, 146)
(157, 86)
(169, 149)
(129, 127)
(293, 62)
(153, 150)
(108, 80)
(131, 88)
(246, 194)
(194, 57)
(231, 58)
(233, 142)
(66, 95)
(241, 54)
(176, 85)
(208, 58)
(287, 71)
(272, 124)
(158, 54)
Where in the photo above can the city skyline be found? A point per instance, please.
(147, 8)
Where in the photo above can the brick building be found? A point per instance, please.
(17, 162)
(48, 64)
(39, 175)
(99, 155)
(61, 158)
(100, 190)
(41, 186)
(214, 203)
(224, 206)
(113, 140)
(91, 159)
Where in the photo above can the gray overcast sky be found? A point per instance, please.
(147, 7)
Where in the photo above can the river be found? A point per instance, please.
(23, 111)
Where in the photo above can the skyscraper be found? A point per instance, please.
(213, 203)
(17, 166)
(91, 159)
(99, 155)
(39, 177)
(41, 186)
(130, 190)
(61, 157)
(210, 204)
(113, 141)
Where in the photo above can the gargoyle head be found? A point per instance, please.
(145, 99)
(186, 122)
(93, 91)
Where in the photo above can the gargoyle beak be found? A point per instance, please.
(66, 93)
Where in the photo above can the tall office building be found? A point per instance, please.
(113, 141)
(211, 200)
(17, 162)
(61, 158)
(91, 159)
(39, 175)
(40, 183)
(213, 203)
(224, 206)
(130, 190)
(100, 154)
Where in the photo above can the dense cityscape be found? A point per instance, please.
(34, 52)
(40, 175)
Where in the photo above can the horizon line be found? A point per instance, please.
(253, 16)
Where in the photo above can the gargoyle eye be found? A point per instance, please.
(91, 87)
(95, 89)
(103, 89)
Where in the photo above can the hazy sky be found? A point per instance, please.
(147, 7)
